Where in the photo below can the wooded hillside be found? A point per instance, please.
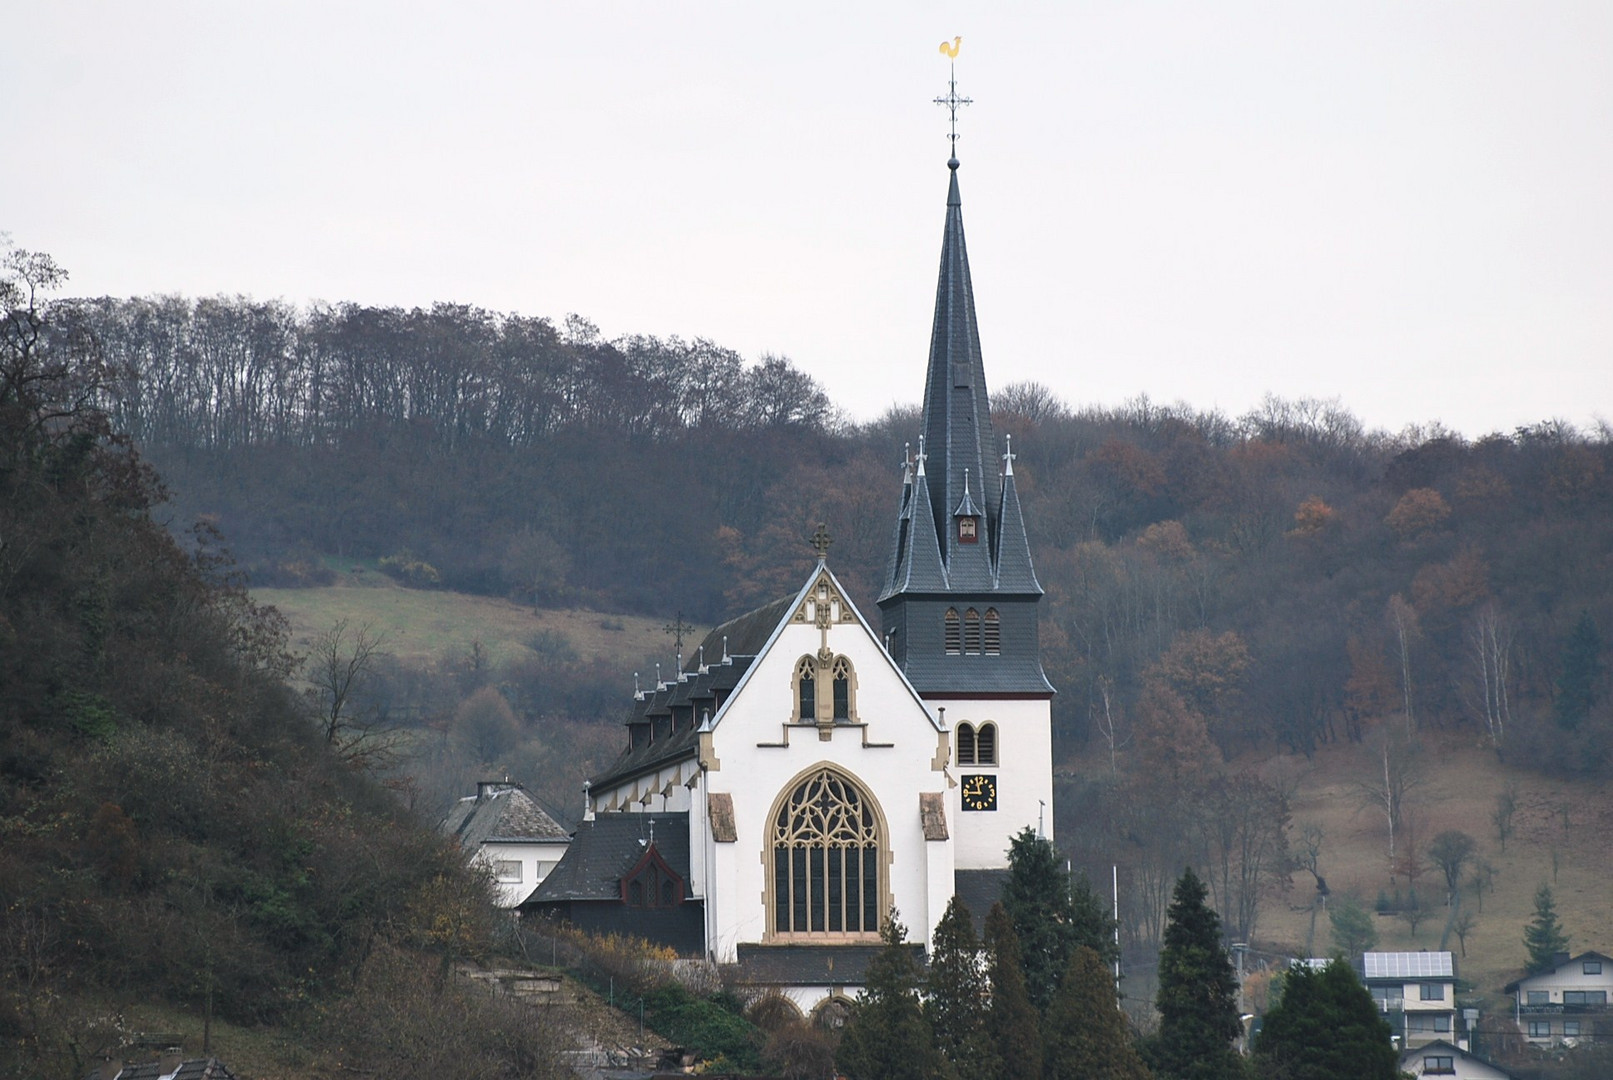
(174, 831)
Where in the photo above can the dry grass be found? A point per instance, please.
(1459, 791)
(425, 625)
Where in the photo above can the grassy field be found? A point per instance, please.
(1563, 836)
(427, 625)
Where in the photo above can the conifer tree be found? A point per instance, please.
(1087, 1037)
(1544, 937)
(887, 1037)
(956, 993)
(1011, 1019)
(1198, 995)
(1324, 1027)
(1051, 914)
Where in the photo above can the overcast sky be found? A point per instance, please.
(1402, 205)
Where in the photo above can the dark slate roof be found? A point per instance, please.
(747, 634)
(915, 566)
(499, 811)
(199, 1069)
(1015, 574)
(976, 676)
(979, 889)
(809, 965)
(957, 411)
(606, 848)
(745, 637)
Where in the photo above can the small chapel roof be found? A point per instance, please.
(604, 850)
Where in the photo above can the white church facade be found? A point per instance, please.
(806, 774)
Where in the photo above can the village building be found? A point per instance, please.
(806, 776)
(502, 829)
(1567, 1004)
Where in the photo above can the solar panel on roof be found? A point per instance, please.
(1408, 965)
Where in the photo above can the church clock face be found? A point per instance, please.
(979, 792)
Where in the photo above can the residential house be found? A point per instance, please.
(503, 828)
(1416, 992)
(1444, 1059)
(1566, 1004)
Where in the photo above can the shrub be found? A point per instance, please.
(406, 568)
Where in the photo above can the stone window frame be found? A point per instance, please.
(808, 836)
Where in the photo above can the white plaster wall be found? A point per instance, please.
(1570, 977)
(1024, 778)
(893, 775)
(536, 857)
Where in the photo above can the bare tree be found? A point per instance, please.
(1450, 852)
(1489, 642)
(341, 662)
(1108, 726)
(1402, 773)
(1506, 804)
(1402, 619)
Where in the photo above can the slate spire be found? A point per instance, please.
(957, 411)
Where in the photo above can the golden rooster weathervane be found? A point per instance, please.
(952, 100)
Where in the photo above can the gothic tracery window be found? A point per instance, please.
(842, 689)
(806, 687)
(825, 844)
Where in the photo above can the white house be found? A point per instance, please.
(820, 773)
(1443, 1059)
(503, 828)
(1416, 992)
(1567, 1004)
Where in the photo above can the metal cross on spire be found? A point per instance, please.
(821, 542)
(677, 628)
(952, 100)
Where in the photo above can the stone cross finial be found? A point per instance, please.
(821, 542)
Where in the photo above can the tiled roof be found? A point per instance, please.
(499, 812)
(1408, 965)
(808, 965)
(606, 848)
(976, 676)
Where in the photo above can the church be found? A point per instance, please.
(805, 774)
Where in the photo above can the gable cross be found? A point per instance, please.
(821, 542)
(677, 628)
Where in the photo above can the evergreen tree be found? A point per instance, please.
(1353, 930)
(1011, 1020)
(956, 993)
(1325, 1027)
(1544, 937)
(1582, 668)
(887, 1037)
(1198, 995)
(1087, 1037)
(1052, 915)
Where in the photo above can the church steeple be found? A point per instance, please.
(960, 548)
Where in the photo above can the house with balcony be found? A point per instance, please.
(1566, 1004)
(1416, 992)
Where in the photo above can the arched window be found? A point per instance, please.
(986, 745)
(994, 633)
(954, 634)
(806, 691)
(971, 632)
(652, 883)
(825, 843)
(842, 689)
(966, 744)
